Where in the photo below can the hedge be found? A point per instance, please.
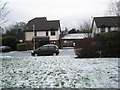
(10, 41)
(22, 47)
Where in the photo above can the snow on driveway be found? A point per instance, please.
(58, 72)
(63, 52)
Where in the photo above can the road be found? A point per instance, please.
(63, 52)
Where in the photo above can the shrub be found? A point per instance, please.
(22, 47)
(111, 43)
(10, 41)
(89, 52)
(106, 45)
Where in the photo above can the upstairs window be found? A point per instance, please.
(46, 33)
(52, 33)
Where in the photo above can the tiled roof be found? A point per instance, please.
(113, 21)
(41, 24)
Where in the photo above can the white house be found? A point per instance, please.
(105, 24)
(42, 31)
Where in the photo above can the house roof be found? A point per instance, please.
(111, 21)
(74, 36)
(41, 24)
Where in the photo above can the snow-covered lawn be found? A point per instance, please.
(58, 72)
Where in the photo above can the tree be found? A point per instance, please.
(86, 28)
(114, 8)
(16, 30)
(3, 12)
(65, 31)
(1, 31)
(73, 30)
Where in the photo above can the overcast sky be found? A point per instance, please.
(71, 13)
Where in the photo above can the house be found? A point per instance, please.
(69, 40)
(105, 24)
(41, 31)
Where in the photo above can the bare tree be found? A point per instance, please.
(86, 28)
(16, 30)
(3, 12)
(114, 8)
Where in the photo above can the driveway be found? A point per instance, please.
(63, 52)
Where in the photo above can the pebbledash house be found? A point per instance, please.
(41, 31)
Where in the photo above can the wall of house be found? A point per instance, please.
(53, 39)
(114, 28)
(41, 33)
(107, 29)
(56, 37)
(28, 36)
(95, 30)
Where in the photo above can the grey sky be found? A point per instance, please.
(71, 13)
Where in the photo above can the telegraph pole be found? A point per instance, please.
(33, 36)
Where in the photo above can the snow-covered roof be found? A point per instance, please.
(75, 36)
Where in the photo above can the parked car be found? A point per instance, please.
(48, 49)
(5, 49)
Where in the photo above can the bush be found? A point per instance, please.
(111, 43)
(89, 52)
(106, 45)
(10, 41)
(22, 47)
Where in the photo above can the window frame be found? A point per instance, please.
(102, 29)
(53, 33)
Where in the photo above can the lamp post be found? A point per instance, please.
(33, 36)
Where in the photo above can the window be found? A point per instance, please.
(46, 33)
(52, 33)
(102, 29)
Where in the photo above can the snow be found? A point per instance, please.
(58, 72)
(74, 36)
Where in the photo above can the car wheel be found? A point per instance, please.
(54, 54)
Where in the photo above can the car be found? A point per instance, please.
(5, 49)
(48, 49)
